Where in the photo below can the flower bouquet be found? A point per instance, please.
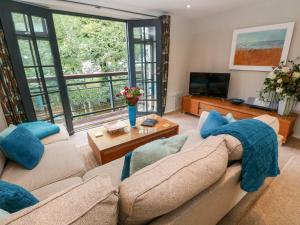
(283, 83)
(131, 96)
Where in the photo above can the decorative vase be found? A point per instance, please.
(286, 106)
(132, 115)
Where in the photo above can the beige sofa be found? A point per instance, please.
(194, 186)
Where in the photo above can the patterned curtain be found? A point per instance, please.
(165, 20)
(9, 93)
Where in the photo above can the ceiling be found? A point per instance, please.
(199, 8)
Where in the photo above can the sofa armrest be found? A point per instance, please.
(93, 202)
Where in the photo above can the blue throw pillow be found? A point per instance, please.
(150, 153)
(14, 198)
(41, 129)
(126, 167)
(22, 147)
(229, 117)
(213, 121)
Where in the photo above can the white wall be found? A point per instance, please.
(178, 62)
(211, 42)
(2, 120)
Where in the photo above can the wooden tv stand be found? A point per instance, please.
(196, 105)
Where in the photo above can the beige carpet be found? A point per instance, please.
(276, 203)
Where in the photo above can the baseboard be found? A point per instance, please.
(296, 136)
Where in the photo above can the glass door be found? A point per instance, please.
(144, 39)
(32, 44)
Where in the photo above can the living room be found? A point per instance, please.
(201, 159)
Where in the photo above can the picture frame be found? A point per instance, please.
(260, 48)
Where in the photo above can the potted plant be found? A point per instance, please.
(284, 83)
(131, 96)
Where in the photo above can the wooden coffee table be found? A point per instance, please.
(109, 147)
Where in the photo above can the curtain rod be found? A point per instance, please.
(104, 7)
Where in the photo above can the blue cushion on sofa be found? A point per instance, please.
(41, 129)
(213, 121)
(14, 198)
(126, 166)
(150, 153)
(22, 147)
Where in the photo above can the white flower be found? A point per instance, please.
(279, 81)
(296, 75)
(272, 75)
(285, 69)
(279, 90)
(141, 91)
(122, 92)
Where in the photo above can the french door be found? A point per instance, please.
(144, 44)
(31, 41)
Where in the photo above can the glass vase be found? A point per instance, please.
(287, 105)
(132, 115)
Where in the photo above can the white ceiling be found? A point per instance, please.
(199, 8)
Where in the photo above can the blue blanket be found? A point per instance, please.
(260, 146)
(41, 129)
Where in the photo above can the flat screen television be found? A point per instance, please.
(209, 84)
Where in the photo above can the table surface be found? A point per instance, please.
(108, 141)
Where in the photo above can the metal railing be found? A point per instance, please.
(89, 94)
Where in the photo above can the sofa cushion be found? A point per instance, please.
(93, 202)
(14, 198)
(51, 189)
(2, 162)
(23, 147)
(112, 170)
(63, 135)
(153, 151)
(61, 160)
(167, 184)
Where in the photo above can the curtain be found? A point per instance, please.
(165, 20)
(9, 93)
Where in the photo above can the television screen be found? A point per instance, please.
(209, 84)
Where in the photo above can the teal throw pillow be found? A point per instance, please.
(213, 121)
(41, 129)
(154, 151)
(7, 131)
(229, 117)
(14, 198)
(22, 147)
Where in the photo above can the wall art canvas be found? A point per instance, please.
(261, 48)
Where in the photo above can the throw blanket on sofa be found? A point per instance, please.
(260, 151)
(41, 129)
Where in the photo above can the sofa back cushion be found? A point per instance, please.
(93, 202)
(167, 184)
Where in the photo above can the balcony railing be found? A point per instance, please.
(89, 94)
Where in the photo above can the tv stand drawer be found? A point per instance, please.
(223, 111)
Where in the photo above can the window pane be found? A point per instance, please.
(27, 52)
(21, 22)
(138, 33)
(150, 52)
(50, 78)
(39, 25)
(45, 52)
(55, 103)
(139, 52)
(33, 79)
(150, 33)
(40, 107)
